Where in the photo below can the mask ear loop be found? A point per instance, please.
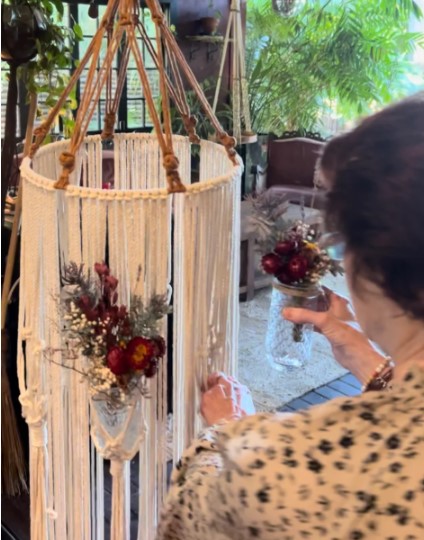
(317, 180)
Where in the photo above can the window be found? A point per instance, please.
(132, 113)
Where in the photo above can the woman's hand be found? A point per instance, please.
(225, 399)
(351, 348)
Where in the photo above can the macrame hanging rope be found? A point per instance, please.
(40, 133)
(128, 23)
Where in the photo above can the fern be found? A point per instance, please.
(346, 57)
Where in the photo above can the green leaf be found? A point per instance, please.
(58, 4)
(78, 31)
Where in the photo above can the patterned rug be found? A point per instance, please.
(271, 388)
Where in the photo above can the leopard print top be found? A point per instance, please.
(349, 469)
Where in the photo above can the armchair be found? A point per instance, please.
(291, 162)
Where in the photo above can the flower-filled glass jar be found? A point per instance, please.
(288, 344)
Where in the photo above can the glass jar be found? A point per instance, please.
(288, 344)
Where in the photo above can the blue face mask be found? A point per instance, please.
(334, 245)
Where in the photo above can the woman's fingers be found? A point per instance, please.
(337, 304)
(213, 378)
(319, 319)
(340, 307)
(231, 386)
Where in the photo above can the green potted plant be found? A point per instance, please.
(209, 24)
(336, 60)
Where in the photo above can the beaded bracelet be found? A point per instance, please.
(381, 377)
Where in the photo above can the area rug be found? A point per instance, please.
(271, 388)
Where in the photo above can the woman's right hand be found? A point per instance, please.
(225, 399)
(351, 348)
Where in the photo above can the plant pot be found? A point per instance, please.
(287, 344)
(21, 26)
(208, 25)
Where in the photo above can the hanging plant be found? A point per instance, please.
(21, 26)
(34, 32)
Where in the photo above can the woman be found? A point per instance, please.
(351, 468)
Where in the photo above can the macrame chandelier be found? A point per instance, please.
(242, 127)
(152, 216)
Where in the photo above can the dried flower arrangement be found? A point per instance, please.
(122, 345)
(291, 251)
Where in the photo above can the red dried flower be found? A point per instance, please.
(139, 352)
(160, 346)
(271, 263)
(285, 247)
(152, 368)
(284, 278)
(117, 360)
(101, 269)
(297, 267)
(111, 282)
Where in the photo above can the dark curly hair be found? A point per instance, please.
(376, 199)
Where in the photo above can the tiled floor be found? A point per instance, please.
(15, 512)
(345, 386)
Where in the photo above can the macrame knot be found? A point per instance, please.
(232, 154)
(38, 435)
(40, 131)
(170, 162)
(128, 19)
(227, 140)
(109, 126)
(190, 123)
(67, 160)
(108, 24)
(174, 182)
(158, 17)
(33, 410)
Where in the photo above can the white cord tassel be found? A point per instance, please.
(38, 486)
(118, 530)
(37, 493)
